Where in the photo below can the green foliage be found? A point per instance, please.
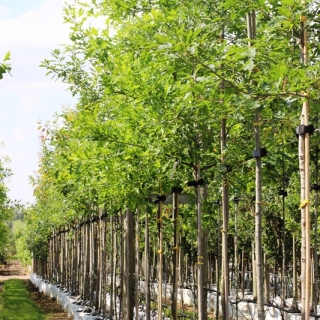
(4, 66)
(23, 253)
(19, 237)
(6, 210)
(154, 83)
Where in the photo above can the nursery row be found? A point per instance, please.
(213, 99)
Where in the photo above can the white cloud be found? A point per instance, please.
(30, 103)
(23, 86)
(18, 134)
(28, 96)
(17, 155)
(4, 11)
(40, 27)
(34, 95)
(22, 164)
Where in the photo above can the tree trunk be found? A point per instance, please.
(137, 264)
(160, 254)
(303, 230)
(218, 259)
(294, 274)
(236, 262)
(104, 263)
(205, 271)
(243, 264)
(315, 250)
(225, 218)
(122, 264)
(201, 310)
(147, 271)
(97, 261)
(87, 263)
(113, 251)
(258, 224)
(254, 272)
(266, 279)
(251, 27)
(175, 252)
(283, 267)
(305, 185)
(130, 265)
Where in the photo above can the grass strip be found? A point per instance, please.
(16, 304)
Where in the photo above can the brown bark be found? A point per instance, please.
(130, 265)
(225, 218)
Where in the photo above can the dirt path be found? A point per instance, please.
(14, 270)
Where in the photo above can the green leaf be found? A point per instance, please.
(288, 2)
(249, 65)
(7, 56)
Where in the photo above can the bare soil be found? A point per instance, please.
(48, 305)
(14, 270)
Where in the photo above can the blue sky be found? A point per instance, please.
(15, 8)
(30, 30)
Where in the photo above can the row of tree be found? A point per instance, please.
(12, 242)
(201, 95)
(7, 206)
(6, 210)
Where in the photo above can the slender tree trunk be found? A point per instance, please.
(97, 260)
(155, 262)
(266, 279)
(137, 258)
(91, 261)
(130, 265)
(315, 250)
(112, 261)
(283, 285)
(294, 274)
(251, 27)
(74, 270)
(61, 257)
(311, 279)
(225, 218)
(50, 258)
(87, 263)
(102, 275)
(160, 254)
(82, 258)
(104, 262)
(201, 310)
(175, 255)
(236, 262)
(218, 264)
(305, 185)
(258, 225)
(243, 264)
(254, 272)
(205, 272)
(181, 276)
(147, 272)
(122, 262)
(303, 230)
